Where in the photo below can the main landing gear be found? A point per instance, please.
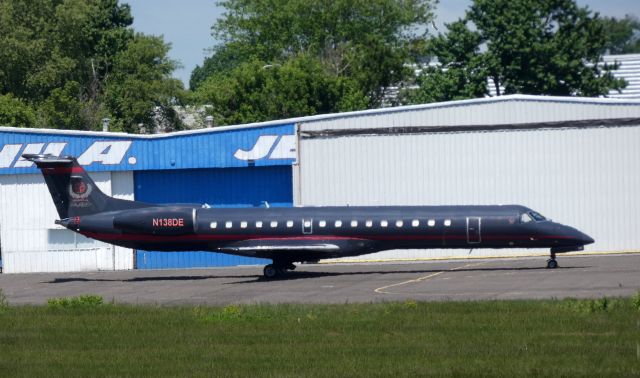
(278, 269)
(552, 263)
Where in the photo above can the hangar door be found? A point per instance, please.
(217, 187)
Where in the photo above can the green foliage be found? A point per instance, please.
(83, 301)
(622, 35)
(357, 48)
(635, 300)
(58, 57)
(4, 303)
(140, 88)
(532, 47)
(15, 112)
(590, 306)
(224, 59)
(256, 91)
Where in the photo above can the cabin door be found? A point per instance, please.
(473, 230)
(307, 226)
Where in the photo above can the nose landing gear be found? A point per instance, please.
(552, 263)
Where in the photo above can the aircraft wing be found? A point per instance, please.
(318, 247)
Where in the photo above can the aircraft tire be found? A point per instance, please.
(552, 264)
(270, 272)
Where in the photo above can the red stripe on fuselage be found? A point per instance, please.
(240, 237)
(62, 170)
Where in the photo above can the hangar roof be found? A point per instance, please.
(507, 111)
(274, 142)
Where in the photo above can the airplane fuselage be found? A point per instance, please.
(288, 235)
(336, 231)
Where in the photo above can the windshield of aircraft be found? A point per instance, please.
(537, 216)
(531, 216)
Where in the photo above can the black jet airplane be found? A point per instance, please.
(297, 234)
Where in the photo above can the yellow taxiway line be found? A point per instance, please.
(382, 290)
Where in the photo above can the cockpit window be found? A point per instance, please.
(531, 216)
(525, 218)
(537, 216)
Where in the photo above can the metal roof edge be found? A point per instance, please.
(621, 57)
(478, 101)
(143, 136)
(321, 117)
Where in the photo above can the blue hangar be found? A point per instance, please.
(220, 167)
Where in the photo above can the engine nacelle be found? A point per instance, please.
(157, 221)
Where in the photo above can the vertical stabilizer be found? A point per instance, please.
(74, 193)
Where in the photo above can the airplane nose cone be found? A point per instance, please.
(586, 239)
(581, 238)
(574, 236)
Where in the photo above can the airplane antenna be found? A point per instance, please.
(471, 250)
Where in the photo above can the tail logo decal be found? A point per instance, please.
(79, 192)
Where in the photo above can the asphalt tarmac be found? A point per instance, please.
(475, 279)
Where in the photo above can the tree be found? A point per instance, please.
(255, 91)
(362, 43)
(622, 35)
(140, 88)
(549, 47)
(14, 112)
(223, 60)
(58, 56)
(461, 71)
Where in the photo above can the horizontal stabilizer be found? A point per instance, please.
(48, 159)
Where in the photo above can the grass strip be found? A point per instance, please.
(86, 337)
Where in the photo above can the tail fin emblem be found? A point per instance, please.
(79, 190)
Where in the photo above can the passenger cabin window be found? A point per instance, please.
(354, 223)
(307, 223)
(384, 223)
(228, 224)
(289, 223)
(368, 223)
(415, 223)
(243, 224)
(431, 222)
(447, 222)
(258, 224)
(274, 224)
(399, 223)
(322, 223)
(338, 223)
(213, 225)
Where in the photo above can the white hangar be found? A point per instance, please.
(576, 160)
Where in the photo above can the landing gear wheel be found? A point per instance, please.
(552, 264)
(278, 269)
(270, 271)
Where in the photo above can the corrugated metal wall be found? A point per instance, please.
(235, 187)
(30, 240)
(584, 177)
(629, 70)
